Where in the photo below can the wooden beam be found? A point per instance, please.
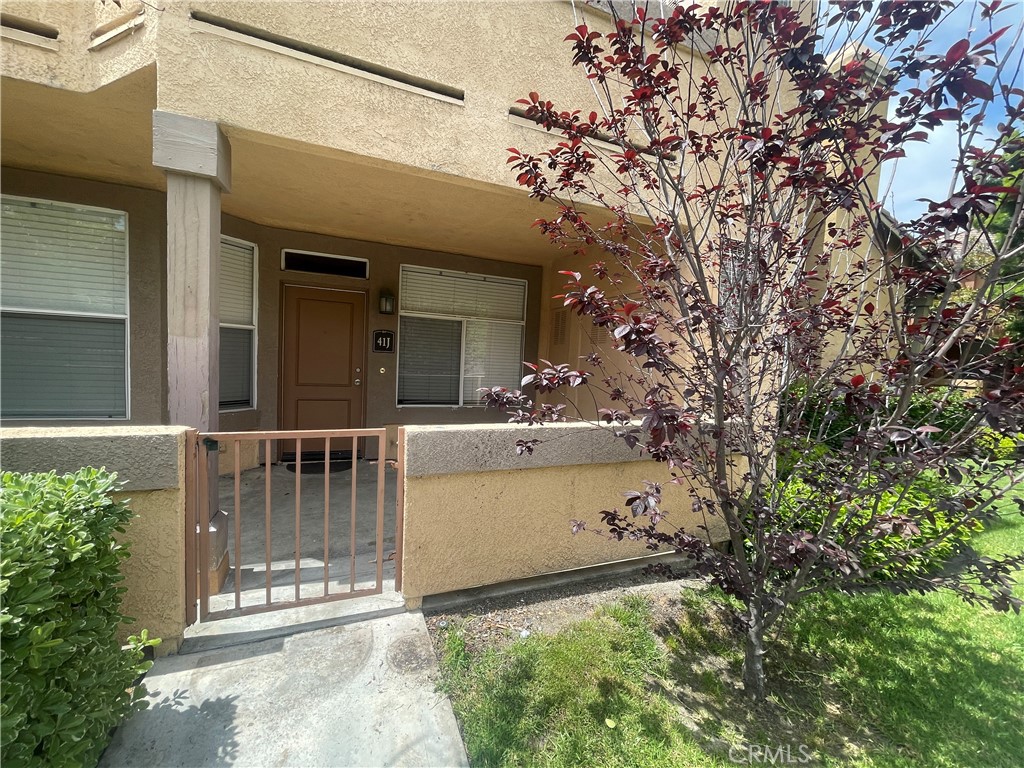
(191, 146)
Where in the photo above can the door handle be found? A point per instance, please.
(357, 382)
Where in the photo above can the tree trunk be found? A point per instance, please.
(753, 658)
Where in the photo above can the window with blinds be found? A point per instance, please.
(238, 266)
(458, 332)
(63, 311)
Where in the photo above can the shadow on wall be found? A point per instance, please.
(211, 729)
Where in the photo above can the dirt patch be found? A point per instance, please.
(497, 621)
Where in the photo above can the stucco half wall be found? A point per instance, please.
(478, 514)
(150, 461)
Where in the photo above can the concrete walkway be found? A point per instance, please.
(355, 694)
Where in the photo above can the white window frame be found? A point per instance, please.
(98, 315)
(254, 327)
(462, 342)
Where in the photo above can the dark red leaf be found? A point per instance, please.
(980, 190)
(991, 38)
(978, 88)
(957, 51)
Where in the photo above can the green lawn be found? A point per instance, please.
(867, 680)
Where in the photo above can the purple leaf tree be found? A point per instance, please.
(776, 335)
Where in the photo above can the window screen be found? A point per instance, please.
(64, 300)
(458, 333)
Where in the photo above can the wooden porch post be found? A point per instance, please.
(197, 158)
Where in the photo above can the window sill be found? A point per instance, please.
(428, 405)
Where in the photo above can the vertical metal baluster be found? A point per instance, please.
(267, 515)
(399, 508)
(327, 511)
(203, 510)
(191, 530)
(352, 535)
(381, 462)
(238, 523)
(298, 513)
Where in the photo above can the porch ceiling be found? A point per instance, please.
(302, 187)
(105, 135)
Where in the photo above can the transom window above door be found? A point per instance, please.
(458, 332)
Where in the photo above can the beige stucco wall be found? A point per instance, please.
(494, 52)
(248, 455)
(150, 462)
(314, 148)
(476, 528)
(69, 63)
(155, 572)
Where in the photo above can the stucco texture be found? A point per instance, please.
(473, 529)
(155, 572)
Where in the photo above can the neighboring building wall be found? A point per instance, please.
(84, 56)
(150, 461)
(147, 278)
(477, 514)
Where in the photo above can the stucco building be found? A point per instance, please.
(262, 215)
(272, 215)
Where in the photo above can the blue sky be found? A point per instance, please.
(927, 169)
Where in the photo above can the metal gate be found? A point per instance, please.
(264, 540)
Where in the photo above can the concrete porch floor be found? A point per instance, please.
(351, 559)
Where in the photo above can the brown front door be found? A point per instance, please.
(323, 348)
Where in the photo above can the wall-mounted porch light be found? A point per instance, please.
(387, 302)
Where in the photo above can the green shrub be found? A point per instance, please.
(998, 446)
(947, 408)
(798, 499)
(66, 680)
(803, 452)
(829, 422)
